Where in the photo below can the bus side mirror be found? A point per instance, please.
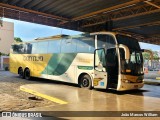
(148, 51)
(126, 50)
(99, 59)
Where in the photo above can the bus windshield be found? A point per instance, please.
(135, 65)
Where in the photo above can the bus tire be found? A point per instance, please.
(85, 82)
(27, 74)
(20, 72)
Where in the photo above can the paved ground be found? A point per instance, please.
(12, 99)
(145, 99)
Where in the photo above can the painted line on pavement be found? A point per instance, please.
(56, 100)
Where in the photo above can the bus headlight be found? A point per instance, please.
(126, 81)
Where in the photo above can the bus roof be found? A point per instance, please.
(59, 37)
(52, 37)
(108, 32)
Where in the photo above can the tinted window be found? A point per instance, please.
(54, 46)
(68, 45)
(29, 48)
(130, 42)
(34, 48)
(86, 44)
(42, 47)
(19, 48)
(105, 41)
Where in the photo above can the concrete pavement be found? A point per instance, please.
(78, 99)
(12, 99)
(75, 98)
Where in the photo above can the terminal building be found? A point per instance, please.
(6, 39)
(6, 36)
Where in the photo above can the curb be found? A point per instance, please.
(152, 83)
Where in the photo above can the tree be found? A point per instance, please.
(17, 39)
(3, 54)
(146, 55)
(1, 22)
(155, 55)
(148, 63)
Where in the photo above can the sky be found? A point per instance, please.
(29, 31)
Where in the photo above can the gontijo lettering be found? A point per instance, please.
(33, 58)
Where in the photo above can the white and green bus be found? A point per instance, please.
(106, 60)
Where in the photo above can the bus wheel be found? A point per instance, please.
(85, 82)
(27, 74)
(20, 72)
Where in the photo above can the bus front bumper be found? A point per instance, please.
(130, 86)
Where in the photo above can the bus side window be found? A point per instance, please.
(85, 46)
(68, 45)
(34, 48)
(42, 47)
(18, 48)
(110, 42)
(54, 46)
(15, 49)
(29, 48)
(105, 41)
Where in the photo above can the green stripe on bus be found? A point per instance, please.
(85, 67)
(59, 63)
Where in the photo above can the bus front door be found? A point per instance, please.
(100, 74)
